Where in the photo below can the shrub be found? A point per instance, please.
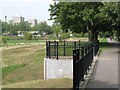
(63, 36)
(4, 40)
(27, 36)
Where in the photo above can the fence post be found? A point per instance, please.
(98, 45)
(78, 67)
(94, 47)
(79, 44)
(46, 49)
(74, 45)
(64, 48)
(54, 48)
(85, 50)
(57, 50)
(74, 69)
(49, 50)
(82, 51)
(88, 47)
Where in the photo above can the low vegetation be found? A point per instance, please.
(23, 63)
(103, 44)
(51, 83)
(9, 69)
(23, 67)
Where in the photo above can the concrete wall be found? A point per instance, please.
(58, 68)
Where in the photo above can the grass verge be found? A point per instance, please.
(103, 44)
(31, 56)
(9, 69)
(51, 83)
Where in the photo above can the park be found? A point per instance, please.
(84, 35)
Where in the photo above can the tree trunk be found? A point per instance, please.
(91, 36)
(95, 36)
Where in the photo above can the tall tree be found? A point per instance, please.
(81, 16)
(43, 27)
(24, 26)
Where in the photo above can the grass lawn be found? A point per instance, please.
(51, 83)
(23, 63)
(21, 42)
(9, 69)
(23, 68)
(24, 41)
(103, 44)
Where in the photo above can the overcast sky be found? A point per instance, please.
(26, 8)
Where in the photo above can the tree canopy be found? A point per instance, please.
(90, 17)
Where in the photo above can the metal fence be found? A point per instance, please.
(64, 50)
(82, 59)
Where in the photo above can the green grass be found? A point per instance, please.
(24, 41)
(31, 56)
(103, 44)
(9, 69)
(50, 83)
(21, 42)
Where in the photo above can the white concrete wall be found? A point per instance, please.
(58, 68)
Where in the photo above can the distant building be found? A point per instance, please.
(33, 22)
(17, 19)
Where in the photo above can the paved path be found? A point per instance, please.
(106, 75)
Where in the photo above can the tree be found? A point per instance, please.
(14, 28)
(24, 26)
(43, 27)
(82, 17)
(27, 36)
(56, 28)
(6, 27)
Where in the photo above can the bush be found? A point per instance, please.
(4, 40)
(63, 36)
(27, 36)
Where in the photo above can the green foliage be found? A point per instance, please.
(24, 26)
(13, 28)
(91, 17)
(63, 36)
(42, 27)
(27, 36)
(4, 40)
(78, 35)
(103, 44)
(56, 28)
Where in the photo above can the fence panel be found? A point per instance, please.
(82, 60)
(62, 50)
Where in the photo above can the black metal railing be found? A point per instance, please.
(57, 50)
(96, 47)
(82, 59)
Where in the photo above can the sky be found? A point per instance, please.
(26, 8)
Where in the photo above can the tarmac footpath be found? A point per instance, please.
(107, 70)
